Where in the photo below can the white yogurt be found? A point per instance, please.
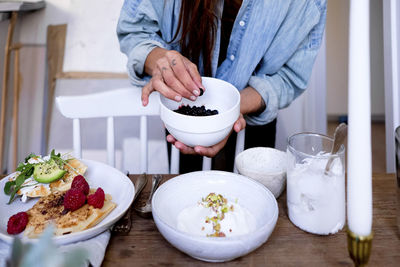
(35, 160)
(192, 220)
(28, 186)
(316, 202)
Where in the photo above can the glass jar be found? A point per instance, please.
(315, 199)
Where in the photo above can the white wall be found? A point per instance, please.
(89, 22)
(337, 58)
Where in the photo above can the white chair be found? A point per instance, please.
(123, 102)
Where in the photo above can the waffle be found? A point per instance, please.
(50, 209)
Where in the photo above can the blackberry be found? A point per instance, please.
(195, 111)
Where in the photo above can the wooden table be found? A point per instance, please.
(287, 245)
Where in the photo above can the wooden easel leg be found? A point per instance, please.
(7, 53)
(56, 35)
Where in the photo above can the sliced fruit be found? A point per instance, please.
(47, 172)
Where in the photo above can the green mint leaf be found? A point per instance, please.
(8, 187)
(29, 171)
(12, 196)
(20, 167)
(20, 180)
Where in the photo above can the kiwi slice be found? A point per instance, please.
(47, 172)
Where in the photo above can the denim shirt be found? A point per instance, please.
(272, 48)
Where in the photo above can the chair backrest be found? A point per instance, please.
(123, 102)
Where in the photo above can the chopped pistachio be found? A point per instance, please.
(219, 205)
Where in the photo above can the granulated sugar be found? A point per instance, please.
(316, 202)
(265, 165)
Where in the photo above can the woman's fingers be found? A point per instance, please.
(173, 75)
(184, 148)
(146, 91)
(194, 73)
(208, 151)
(240, 124)
(157, 84)
(180, 71)
(171, 139)
(171, 80)
(169, 85)
(180, 75)
(200, 150)
(180, 146)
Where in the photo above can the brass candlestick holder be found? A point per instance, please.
(359, 248)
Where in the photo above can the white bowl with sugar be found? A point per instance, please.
(265, 165)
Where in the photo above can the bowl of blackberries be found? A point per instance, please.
(205, 121)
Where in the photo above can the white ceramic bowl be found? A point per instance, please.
(204, 130)
(186, 190)
(265, 165)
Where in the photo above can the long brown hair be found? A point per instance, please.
(198, 26)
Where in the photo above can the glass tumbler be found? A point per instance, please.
(315, 199)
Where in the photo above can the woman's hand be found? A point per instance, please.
(173, 75)
(211, 151)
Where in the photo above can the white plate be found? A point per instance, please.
(111, 180)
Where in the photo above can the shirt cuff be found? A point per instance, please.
(265, 88)
(138, 57)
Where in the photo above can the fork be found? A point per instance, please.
(123, 225)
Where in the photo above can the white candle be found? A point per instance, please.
(359, 173)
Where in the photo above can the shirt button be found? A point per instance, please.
(242, 23)
(232, 57)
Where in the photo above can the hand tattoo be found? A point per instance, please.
(173, 63)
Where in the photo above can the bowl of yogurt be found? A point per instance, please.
(214, 216)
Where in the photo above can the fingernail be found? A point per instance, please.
(178, 98)
(201, 91)
(193, 97)
(196, 92)
(197, 149)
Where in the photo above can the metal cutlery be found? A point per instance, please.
(145, 211)
(123, 225)
(338, 140)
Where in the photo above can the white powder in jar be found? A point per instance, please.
(316, 202)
